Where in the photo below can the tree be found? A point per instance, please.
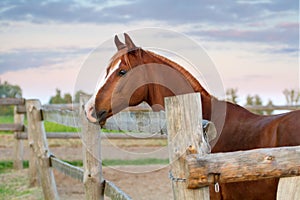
(269, 104)
(67, 98)
(292, 96)
(249, 100)
(256, 101)
(77, 96)
(8, 90)
(58, 99)
(231, 95)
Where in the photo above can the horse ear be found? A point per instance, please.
(119, 44)
(129, 42)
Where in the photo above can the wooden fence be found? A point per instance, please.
(193, 168)
(18, 128)
(185, 137)
(42, 162)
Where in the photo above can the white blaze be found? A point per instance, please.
(90, 105)
(104, 78)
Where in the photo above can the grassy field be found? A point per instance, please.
(13, 184)
(53, 127)
(49, 126)
(6, 119)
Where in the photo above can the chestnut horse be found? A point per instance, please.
(135, 75)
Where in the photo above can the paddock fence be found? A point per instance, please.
(17, 127)
(148, 125)
(42, 162)
(193, 168)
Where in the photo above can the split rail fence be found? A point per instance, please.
(42, 162)
(192, 167)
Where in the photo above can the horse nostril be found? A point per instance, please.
(93, 114)
(101, 115)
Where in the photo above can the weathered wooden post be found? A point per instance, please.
(39, 149)
(185, 136)
(289, 188)
(91, 139)
(18, 144)
(32, 173)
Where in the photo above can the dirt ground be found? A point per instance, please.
(140, 186)
(139, 182)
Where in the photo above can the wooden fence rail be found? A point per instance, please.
(243, 166)
(12, 127)
(64, 117)
(66, 168)
(11, 101)
(76, 135)
(273, 107)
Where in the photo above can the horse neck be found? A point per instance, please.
(227, 117)
(157, 93)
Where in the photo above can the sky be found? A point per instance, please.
(254, 44)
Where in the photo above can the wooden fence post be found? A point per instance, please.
(18, 144)
(32, 173)
(39, 148)
(185, 136)
(91, 139)
(289, 188)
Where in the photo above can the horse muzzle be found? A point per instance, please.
(101, 116)
(90, 113)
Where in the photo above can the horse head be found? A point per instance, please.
(135, 75)
(112, 93)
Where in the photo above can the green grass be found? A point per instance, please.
(8, 165)
(14, 185)
(49, 126)
(54, 127)
(6, 119)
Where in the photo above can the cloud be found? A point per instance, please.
(71, 11)
(262, 21)
(273, 34)
(65, 23)
(280, 38)
(177, 11)
(31, 58)
(41, 82)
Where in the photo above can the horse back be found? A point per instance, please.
(288, 131)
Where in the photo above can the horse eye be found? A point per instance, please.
(122, 72)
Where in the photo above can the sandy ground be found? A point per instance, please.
(140, 186)
(139, 182)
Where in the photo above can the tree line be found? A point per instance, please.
(66, 98)
(8, 90)
(292, 97)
